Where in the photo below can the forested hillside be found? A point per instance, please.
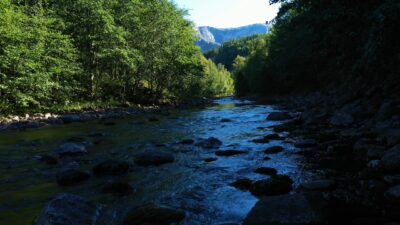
(57, 55)
(315, 44)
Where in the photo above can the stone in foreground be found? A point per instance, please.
(111, 168)
(153, 158)
(210, 143)
(276, 185)
(154, 215)
(296, 209)
(67, 209)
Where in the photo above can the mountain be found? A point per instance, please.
(211, 37)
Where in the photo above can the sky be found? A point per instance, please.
(228, 13)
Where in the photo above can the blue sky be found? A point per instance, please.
(228, 13)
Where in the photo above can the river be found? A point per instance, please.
(199, 188)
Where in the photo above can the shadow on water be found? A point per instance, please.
(201, 189)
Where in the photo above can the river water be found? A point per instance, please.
(191, 184)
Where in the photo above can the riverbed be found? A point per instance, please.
(192, 184)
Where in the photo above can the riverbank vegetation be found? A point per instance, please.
(57, 55)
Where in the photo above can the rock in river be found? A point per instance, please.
(391, 159)
(278, 116)
(211, 142)
(229, 153)
(72, 177)
(67, 209)
(71, 149)
(276, 185)
(153, 158)
(118, 188)
(154, 215)
(274, 150)
(299, 209)
(111, 168)
(266, 171)
(242, 184)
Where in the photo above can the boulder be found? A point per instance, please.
(153, 215)
(209, 143)
(111, 168)
(70, 177)
(310, 143)
(276, 185)
(318, 185)
(118, 188)
(261, 141)
(266, 171)
(393, 194)
(274, 150)
(71, 149)
(278, 116)
(67, 209)
(391, 160)
(229, 152)
(296, 209)
(242, 184)
(153, 158)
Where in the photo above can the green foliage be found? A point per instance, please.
(217, 81)
(322, 43)
(59, 53)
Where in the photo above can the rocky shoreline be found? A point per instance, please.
(355, 140)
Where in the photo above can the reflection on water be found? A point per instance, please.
(199, 188)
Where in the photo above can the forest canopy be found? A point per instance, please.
(57, 54)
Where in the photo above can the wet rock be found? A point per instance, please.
(341, 119)
(225, 120)
(274, 150)
(278, 116)
(274, 137)
(111, 168)
(208, 160)
(299, 209)
(229, 153)
(261, 141)
(118, 188)
(242, 184)
(318, 185)
(310, 143)
(392, 180)
(71, 149)
(153, 215)
(153, 158)
(391, 159)
(393, 194)
(67, 209)
(266, 171)
(187, 142)
(374, 164)
(210, 143)
(71, 177)
(276, 185)
(266, 158)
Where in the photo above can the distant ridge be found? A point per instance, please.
(211, 37)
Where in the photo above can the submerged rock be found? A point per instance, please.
(153, 215)
(72, 177)
(210, 160)
(118, 188)
(242, 184)
(67, 209)
(111, 168)
(261, 141)
(278, 116)
(211, 142)
(229, 153)
(299, 209)
(71, 149)
(276, 185)
(391, 159)
(274, 137)
(153, 158)
(187, 142)
(266, 171)
(225, 120)
(274, 150)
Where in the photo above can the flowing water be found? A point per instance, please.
(191, 184)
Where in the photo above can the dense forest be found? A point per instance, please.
(63, 55)
(317, 44)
